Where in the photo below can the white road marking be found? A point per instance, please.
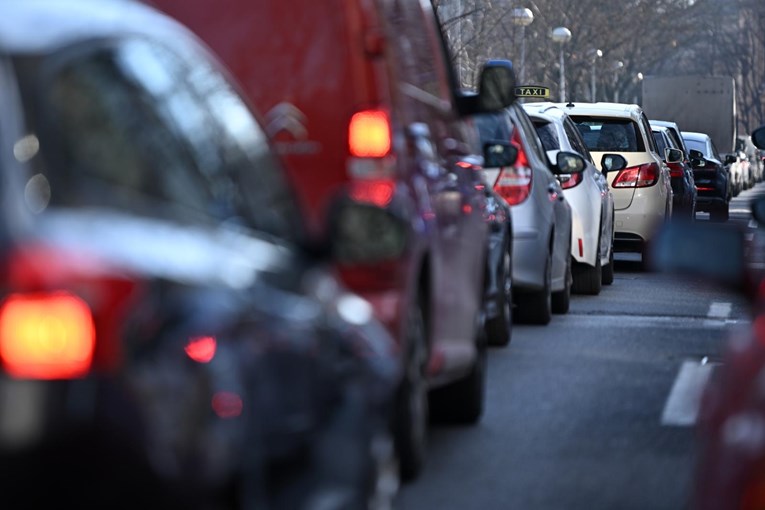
(682, 406)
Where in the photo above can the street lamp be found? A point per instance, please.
(616, 67)
(522, 17)
(594, 55)
(562, 35)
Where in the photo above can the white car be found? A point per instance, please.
(588, 193)
(643, 191)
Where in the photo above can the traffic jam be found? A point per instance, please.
(349, 255)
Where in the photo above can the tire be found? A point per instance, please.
(462, 402)
(645, 256)
(588, 279)
(499, 329)
(410, 427)
(721, 214)
(561, 300)
(608, 270)
(536, 307)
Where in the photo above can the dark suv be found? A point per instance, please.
(362, 104)
(710, 175)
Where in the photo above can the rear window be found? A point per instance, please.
(609, 134)
(697, 145)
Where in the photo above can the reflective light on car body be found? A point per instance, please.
(227, 405)
(354, 310)
(201, 349)
(26, 148)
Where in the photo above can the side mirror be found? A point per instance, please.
(498, 154)
(496, 85)
(758, 137)
(694, 154)
(612, 162)
(569, 163)
(673, 155)
(730, 159)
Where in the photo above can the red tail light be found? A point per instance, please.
(514, 183)
(675, 169)
(377, 192)
(641, 176)
(46, 336)
(369, 134)
(704, 188)
(568, 181)
(201, 349)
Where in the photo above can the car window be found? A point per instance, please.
(493, 127)
(530, 134)
(661, 144)
(135, 133)
(698, 145)
(575, 139)
(604, 134)
(547, 135)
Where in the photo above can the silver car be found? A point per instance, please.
(541, 262)
(590, 197)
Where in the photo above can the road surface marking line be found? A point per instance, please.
(718, 310)
(682, 406)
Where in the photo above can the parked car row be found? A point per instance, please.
(246, 271)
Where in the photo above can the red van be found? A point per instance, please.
(362, 104)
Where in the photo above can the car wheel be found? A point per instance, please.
(588, 279)
(720, 214)
(410, 428)
(499, 329)
(536, 307)
(608, 270)
(462, 402)
(561, 300)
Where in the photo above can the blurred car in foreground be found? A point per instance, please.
(363, 109)
(684, 191)
(730, 472)
(541, 263)
(710, 175)
(642, 191)
(167, 338)
(592, 205)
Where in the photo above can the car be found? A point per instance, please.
(642, 191)
(373, 129)
(541, 215)
(169, 336)
(683, 185)
(710, 175)
(592, 204)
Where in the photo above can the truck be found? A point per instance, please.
(706, 104)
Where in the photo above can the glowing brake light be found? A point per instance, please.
(514, 182)
(201, 349)
(641, 176)
(675, 169)
(46, 336)
(369, 134)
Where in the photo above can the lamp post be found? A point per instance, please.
(562, 35)
(617, 66)
(638, 81)
(522, 17)
(594, 55)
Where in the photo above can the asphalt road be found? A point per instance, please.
(595, 410)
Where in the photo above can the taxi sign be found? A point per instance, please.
(532, 91)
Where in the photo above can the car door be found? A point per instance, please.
(601, 182)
